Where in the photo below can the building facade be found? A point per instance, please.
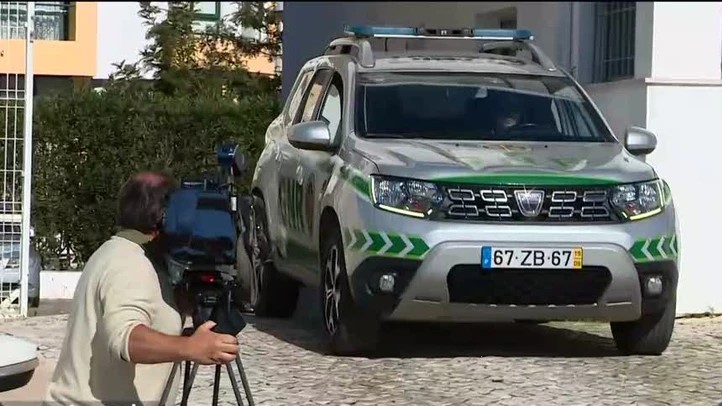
(65, 46)
(650, 64)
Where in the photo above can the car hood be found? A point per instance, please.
(16, 350)
(506, 163)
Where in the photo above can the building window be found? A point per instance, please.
(51, 20)
(208, 11)
(614, 40)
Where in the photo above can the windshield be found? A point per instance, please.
(469, 107)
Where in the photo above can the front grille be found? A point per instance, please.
(523, 287)
(513, 204)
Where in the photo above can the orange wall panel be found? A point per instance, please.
(76, 57)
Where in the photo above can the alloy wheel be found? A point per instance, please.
(332, 291)
(256, 260)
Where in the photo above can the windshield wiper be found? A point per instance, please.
(383, 135)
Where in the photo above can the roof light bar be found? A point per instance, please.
(438, 33)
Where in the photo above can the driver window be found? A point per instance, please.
(331, 110)
(313, 97)
(295, 101)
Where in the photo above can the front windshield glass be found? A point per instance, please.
(475, 107)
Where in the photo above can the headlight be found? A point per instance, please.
(406, 196)
(639, 200)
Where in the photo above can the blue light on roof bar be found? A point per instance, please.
(455, 33)
(514, 34)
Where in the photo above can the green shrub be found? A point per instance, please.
(87, 144)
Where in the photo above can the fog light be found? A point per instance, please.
(653, 285)
(386, 283)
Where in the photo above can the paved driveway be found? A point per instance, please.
(560, 363)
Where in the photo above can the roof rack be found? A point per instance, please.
(356, 43)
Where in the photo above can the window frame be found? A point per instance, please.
(214, 17)
(615, 21)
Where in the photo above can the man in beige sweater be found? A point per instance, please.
(124, 329)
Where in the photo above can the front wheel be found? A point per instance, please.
(650, 335)
(347, 329)
(271, 293)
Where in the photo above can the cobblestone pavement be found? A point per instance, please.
(513, 364)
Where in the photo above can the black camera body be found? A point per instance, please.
(202, 227)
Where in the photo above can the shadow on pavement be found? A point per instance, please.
(450, 340)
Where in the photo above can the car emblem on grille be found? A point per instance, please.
(529, 201)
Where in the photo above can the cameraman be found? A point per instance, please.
(124, 330)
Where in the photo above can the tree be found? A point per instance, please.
(181, 58)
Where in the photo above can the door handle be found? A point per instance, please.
(277, 151)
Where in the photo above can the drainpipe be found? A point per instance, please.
(572, 40)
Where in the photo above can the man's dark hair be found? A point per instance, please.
(142, 201)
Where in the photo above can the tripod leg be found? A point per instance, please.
(234, 383)
(216, 385)
(244, 381)
(168, 384)
(186, 375)
(188, 386)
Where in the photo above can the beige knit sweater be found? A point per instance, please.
(119, 289)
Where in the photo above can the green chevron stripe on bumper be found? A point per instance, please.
(655, 249)
(386, 244)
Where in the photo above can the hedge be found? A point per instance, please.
(88, 143)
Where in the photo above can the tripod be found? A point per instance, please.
(213, 301)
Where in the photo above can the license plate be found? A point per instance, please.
(549, 258)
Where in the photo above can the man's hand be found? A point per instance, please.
(207, 347)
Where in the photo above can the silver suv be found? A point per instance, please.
(473, 183)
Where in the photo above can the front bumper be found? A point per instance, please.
(445, 281)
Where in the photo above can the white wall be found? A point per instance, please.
(121, 35)
(688, 123)
(58, 284)
(687, 38)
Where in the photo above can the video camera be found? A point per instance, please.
(202, 226)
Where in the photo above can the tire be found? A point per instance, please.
(347, 330)
(650, 335)
(271, 294)
(34, 302)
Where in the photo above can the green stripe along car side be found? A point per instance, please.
(358, 180)
(385, 244)
(655, 249)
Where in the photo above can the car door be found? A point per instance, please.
(290, 185)
(312, 175)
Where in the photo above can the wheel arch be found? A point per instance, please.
(329, 218)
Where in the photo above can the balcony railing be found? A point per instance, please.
(51, 20)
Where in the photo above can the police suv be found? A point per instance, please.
(458, 176)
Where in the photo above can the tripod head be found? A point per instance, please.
(212, 299)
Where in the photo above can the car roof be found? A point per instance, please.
(440, 61)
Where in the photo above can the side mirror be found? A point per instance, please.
(639, 141)
(312, 135)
